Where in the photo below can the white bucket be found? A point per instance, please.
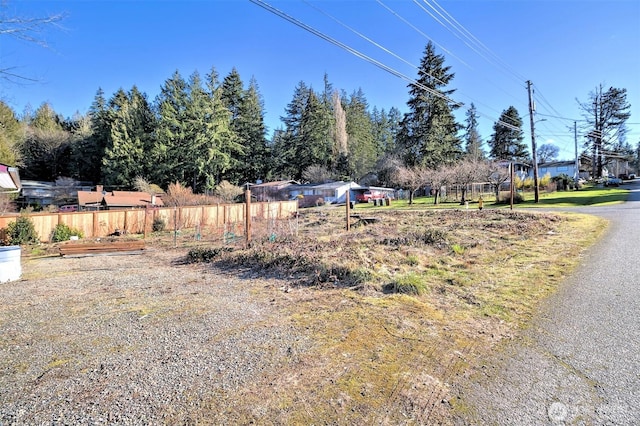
(10, 267)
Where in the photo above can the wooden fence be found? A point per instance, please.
(139, 221)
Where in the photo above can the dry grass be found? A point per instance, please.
(384, 357)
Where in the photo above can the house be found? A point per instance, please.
(520, 169)
(557, 168)
(113, 200)
(9, 179)
(331, 192)
(43, 194)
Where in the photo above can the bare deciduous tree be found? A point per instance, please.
(341, 137)
(26, 29)
(316, 174)
(496, 173)
(411, 178)
(227, 191)
(439, 178)
(465, 173)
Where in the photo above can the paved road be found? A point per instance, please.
(579, 364)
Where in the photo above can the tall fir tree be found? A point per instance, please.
(195, 144)
(429, 132)
(171, 138)
(216, 149)
(131, 138)
(385, 129)
(473, 141)
(89, 151)
(257, 154)
(247, 122)
(507, 143)
(363, 149)
(303, 142)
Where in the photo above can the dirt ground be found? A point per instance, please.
(372, 327)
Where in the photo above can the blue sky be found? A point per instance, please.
(566, 48)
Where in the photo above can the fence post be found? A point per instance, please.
(247, 216)
(96, 225)
(348, 208)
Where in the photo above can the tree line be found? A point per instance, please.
(201, 131)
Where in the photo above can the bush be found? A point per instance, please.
(158, 224)
(206, 255)
(63, 232)
(505, 197)
(22, 231)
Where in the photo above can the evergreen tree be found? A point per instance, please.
(507, 143)
(247, 122)
(172, 145)
(131, 132)
(385, 129)
(80, 128)
(194, 143)
(45, 118)
(473, 142)
(304, 142)
(363, 151)
(207, 144)
(428, 134)
(11, 135)
(314, 147)
(88, 151)
(257, 154)
(606, 113)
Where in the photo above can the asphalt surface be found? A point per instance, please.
(579, 363)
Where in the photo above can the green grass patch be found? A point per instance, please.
(587, 196)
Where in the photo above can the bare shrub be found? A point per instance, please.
(227, 191)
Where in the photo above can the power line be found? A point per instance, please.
(363, 36)
(397, 56)
(361, 55)
(397, 15)
(466, 34)
(351, 50)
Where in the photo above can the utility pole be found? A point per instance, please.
(533, 144)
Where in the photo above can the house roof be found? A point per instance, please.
(117, 199)
(130, 199)
(87, 198)
(557, 164)
(336, 185)
(277, 184)
(9, 179)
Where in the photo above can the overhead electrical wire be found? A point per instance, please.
(352, 50)
(397, 15)
(518, 79)
(473, 39)
(367, 58)
(394, 54)
(363, 36)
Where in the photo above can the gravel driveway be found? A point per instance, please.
(579, 363)
(132, 339)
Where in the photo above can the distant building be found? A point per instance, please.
(114, 200)
(557, 168)
(9, 179)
